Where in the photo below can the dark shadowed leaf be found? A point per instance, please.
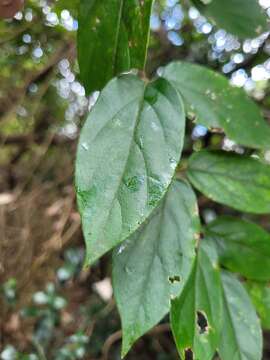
(112, 38)
(196, 315)
(260, 296)
(242, 246)
(244, 18)
(237, 181)
(127, 154)
(155, 263)
(241, 337)
(214, 103)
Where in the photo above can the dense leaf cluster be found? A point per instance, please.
(134, 198)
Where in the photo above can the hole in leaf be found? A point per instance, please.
(188, 354)
(202, 322)
(173, 279)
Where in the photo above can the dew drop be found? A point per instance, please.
(173, 162)
(121, 249)
(85, 146)
(128, 270)
(117, 122)
(154, 126)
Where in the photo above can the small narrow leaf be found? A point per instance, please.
(155, 263)
(112, 38)
(127, 154)
(260, 296)
(241, 337)
(214, 103)
(242, 246)
(196, 315)
(243, 18)
(237, 181)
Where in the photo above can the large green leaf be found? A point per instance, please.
(196, 315)
(242, 246)
(112, 38)
(127, 154)
(213, 102)
(241, 337)
(244, 18)
(260, 296)
(155, 263)
(237, 181)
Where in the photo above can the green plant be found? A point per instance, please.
(135, 192)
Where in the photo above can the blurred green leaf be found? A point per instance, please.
(240, 182)
(112, 38)
(214, 103)
(260, 296)
(243, 18)
(243, 246)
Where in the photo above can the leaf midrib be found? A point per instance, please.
(140, 107)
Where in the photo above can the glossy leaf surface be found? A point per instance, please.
(196, 315)
(112, 38)
(129, 148)
(214, 103)
(243, 18)
(241, 337)
(155, 263)
(240, 182)
(243, 246)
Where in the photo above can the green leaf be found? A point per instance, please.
(127, 154)
(112, 38)
(243, 18)
(214, 103)
(196, 315)
(260, 296)
(241, 337)
(237, 181)
(242, 246)
(155, 263)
